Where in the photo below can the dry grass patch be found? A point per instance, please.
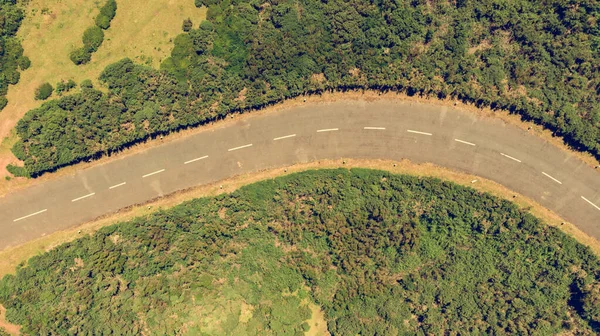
(141, 30)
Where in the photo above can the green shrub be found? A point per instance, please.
(187, 25)
(102, 21)
(109, 9)
(87, 84)
(107, 13)
(24, 62)
(93, 38)
(17, 171)
(3, 102)
(80, 56)
(43, 91)
(63, 86)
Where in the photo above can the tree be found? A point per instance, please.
(80, 56)
(93, 38)
(187, 25)
(43, 91)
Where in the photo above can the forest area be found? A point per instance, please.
(537, 59)
(379, 253)
(11, 52)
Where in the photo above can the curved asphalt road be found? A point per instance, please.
(380, 130)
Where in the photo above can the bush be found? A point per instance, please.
(109, 9)
(93, 38)
(63, 86)
(24, 62)
(86, 84)
(102, 21)
(17, 171)
(187, 25)
(43, 91)
(80, 56)
(3, 102)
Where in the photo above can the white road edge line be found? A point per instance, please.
(552, 178)
(33, 214)
(465, 142)
(594, 205)
(418, 132)
(196, 159)
(284, 137)
(82, 197)
(117, 185)
(328, 130)
(510, 157)
(374, 128)
(236, 148)
(154, 173)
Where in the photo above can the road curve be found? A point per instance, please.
(369, 130)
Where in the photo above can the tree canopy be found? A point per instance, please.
(535, 58)
(94, 36)
(11, 52)
(379, 253)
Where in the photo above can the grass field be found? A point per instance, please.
(141, 30)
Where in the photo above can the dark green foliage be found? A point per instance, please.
(17, 171)
(63, 86)
(381, 254)
(86, 83)
(107, 13)
(43, 91)
(24, 62)
(11, 52)
(187, 25)
(94, 36)
(537, 59)
(80, 56)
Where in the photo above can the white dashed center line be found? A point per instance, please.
(240, 147)
(154, 173)
(82, 197)
(117, 185)
(587, 200)
(375, 128)
(196, 159)
(510, 157)
(465, 142)
(552, 178)
(33, 214)
(418, 132)
(328, 130)
(284, 137)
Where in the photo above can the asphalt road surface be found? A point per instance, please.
(368, 130)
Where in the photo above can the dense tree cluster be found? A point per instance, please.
(11, 52)
(535, 58)
(94, 36)
(382, 254)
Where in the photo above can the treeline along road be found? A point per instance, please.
(537, 59)
(377, 130)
